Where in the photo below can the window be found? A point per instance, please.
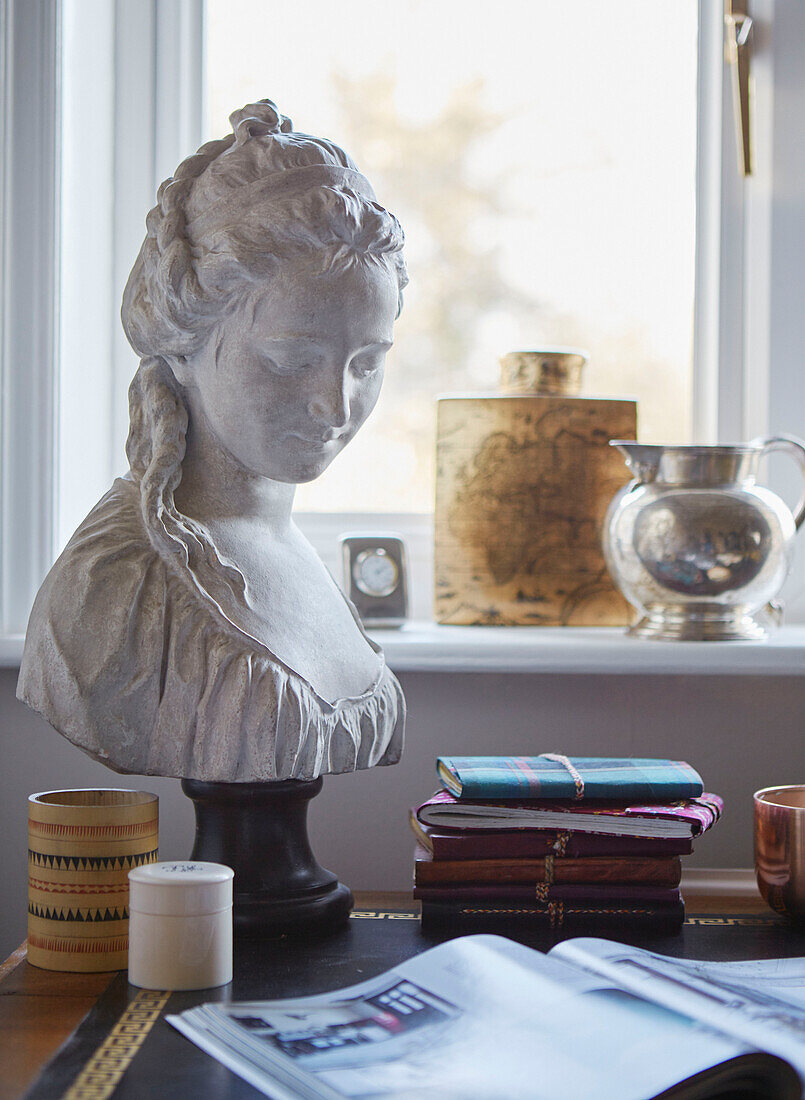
(28, 305)
(129, 109)
(543, 166)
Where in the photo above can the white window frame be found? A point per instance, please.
(146, 61)
(29, 181)
(136, 112)
(749, 328)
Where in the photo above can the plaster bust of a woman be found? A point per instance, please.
(189, 629)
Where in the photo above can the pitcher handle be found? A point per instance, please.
(796, 449)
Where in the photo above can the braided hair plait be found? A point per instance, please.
(158, 424)
(164, 307)
(162, 299)
(155, 448)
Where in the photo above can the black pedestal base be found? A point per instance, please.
(260, 831)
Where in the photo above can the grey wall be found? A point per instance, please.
(742, 733)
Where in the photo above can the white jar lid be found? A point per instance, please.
(180, 888)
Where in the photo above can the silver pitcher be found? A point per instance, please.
(695, 545)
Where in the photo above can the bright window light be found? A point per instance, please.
(541, 158)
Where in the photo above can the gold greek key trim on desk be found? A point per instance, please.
(101, 1075)
(384, 914)
(761, 920)
(749, 921)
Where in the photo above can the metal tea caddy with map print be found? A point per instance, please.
(695, 544)
(523, 480)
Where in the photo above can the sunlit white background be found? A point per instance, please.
(541, 158)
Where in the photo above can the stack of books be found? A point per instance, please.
(583, 843)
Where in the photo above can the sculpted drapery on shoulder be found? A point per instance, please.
(188, 628)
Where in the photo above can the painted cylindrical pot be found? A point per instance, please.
(81, 846)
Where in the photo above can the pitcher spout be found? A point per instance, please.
(643, 459)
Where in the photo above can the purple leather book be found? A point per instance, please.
(455, 844)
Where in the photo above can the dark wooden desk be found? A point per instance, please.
(39, 1009)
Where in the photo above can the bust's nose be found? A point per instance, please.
(329, 399)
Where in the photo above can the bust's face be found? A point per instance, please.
(286, 380)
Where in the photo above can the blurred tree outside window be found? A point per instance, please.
(541, 158)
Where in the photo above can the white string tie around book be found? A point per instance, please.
(567, 763)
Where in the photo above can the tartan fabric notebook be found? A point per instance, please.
(552, 775)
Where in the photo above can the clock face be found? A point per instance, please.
(375, 572)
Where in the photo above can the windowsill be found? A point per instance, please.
(427, 647)
(11, 650)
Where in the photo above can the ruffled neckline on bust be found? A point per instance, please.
(199, 591)
(339, 704)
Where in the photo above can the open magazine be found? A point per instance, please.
(485, 1018)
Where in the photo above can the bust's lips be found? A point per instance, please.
(319, 440)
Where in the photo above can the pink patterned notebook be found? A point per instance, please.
(685, 818)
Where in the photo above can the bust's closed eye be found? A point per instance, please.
(369, 360)
(367, 364)
(284, 368)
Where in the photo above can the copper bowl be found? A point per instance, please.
(780, 848)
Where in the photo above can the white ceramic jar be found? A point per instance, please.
(180, 925)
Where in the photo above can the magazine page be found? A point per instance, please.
(476, 1018)
(760, 1002)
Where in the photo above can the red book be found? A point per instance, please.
(661, 872)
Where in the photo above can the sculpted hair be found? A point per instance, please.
(297, 196)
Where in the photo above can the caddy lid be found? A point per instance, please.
(180, 888)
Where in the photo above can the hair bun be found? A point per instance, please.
(258, 120)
